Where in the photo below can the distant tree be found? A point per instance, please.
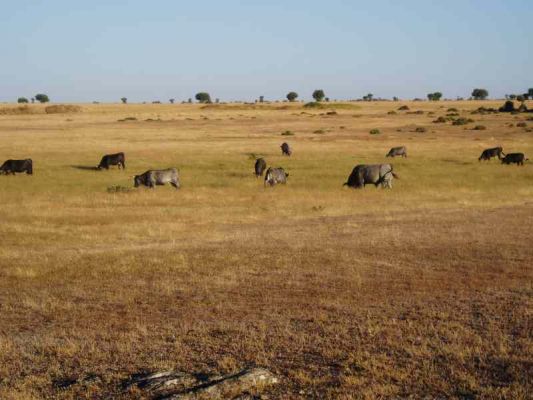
(124, 100)
(512, 96)
(436, 96)
(171, 101)
(33, 99)
(22, 100)
(189, 100)
(292, 96)
(42, 98)
(520, 98)
(261, 99)
(480, 94)
(326, 99)
(318, 95)
(395, 98)
(217, 100)
(369, 96)
(203, 97)
(530, 93)
(506, 97)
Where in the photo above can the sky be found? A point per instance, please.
(102, 50)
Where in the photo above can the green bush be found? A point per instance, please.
(462, 121)
(375, 132)
(22, 100)
(313, 104)
(287, 133)
(421, 129)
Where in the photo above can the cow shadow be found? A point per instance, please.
(84, 167)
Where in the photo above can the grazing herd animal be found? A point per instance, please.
(12, 166)
(118, 159)
(154, 177)
(487, 154)
(260, 166)
(274, 176)
(397, 151)
(514, 158)
(361, 175)
(375, 174)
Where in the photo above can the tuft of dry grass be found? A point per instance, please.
(423, 290)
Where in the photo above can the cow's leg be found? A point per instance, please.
(175, 185)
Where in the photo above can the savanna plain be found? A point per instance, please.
(419, 291)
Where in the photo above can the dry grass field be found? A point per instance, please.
(424, 290)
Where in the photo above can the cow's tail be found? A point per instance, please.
(393, 174)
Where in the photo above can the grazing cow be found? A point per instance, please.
(12, 166)
(397, 151)
(371, 174)
(154, 177)
(260, 166)
(274, 176)
(286, 149)
(487, 154)
(514, 158)
(113, 159)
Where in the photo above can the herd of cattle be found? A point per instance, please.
(361, 175)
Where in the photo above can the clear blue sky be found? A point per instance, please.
(160, 49)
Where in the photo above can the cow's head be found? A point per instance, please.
(137, 180)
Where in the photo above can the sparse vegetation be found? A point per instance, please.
(319, 132)
(421, 129)
(375, 132)
(462, 121)
(287, 133)
(403, 108)
(479, 128)
(521, 125)
(22, 100)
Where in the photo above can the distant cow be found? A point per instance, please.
(12, 166)
(376, 174)
(260, 166)
(274, 176)
(487, 154)
(154, 177)
(397, 151)
(113, 159)
(514, 158)
(286, 149)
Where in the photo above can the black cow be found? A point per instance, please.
(286, 149)
(113, 159)
(12, 166)
(376, 174)
(260, 166)
(487, 154)
(514, 158)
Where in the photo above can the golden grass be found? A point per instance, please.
(421, 290)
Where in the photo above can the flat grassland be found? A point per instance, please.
(422, 290)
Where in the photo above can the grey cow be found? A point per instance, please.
(397, 151)
(274, 176)
(376, 174)
(154, 177)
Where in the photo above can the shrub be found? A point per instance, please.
(61, 109)
(453, 114)
(119, 189)
(421, 129)
(403, 108)
(452, 109)
(42, 98)
(171, 101)
(287, 133)
(331, 113)
(521, 125)
(319, 132)
(375, 132)
(127, 119)
(313, 104)
(508, 106)
(22, 100)
(392, 112)
(462, 121)
(440, 120)
(479, 128)
(318, 95)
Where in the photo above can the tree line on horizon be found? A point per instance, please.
(318, 96)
